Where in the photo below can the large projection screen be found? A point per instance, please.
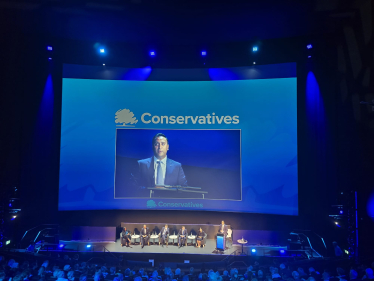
(226, 138)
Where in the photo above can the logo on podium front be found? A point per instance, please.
(151, 204)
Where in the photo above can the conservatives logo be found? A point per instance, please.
(152, 204)
(127, 119)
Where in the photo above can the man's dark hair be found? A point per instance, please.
(159, 135)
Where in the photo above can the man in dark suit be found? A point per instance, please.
(164, 235)
(182, 236)
(223, 228)
(160, 170)
(144, 236)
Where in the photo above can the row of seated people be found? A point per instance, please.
(163, 237)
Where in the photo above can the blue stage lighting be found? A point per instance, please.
(49, 58)
(253, 250)
(152, 53)
(203, 53)
(49, 48)
(61, 246)
(309, 46)
(341, 212)
(10, 204)
(102, 50)
(282, 251)
(88, 246)
(309, 57)
(255, 49)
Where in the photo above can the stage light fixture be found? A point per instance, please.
(341, 212)
(336, 223)
(88, 246)
(49, 48)
(103, 64)
(203, 53)
(253, 250)
(309, 57)
(10, 204)
(61, 246)
(7, 242)
(309, 46)
(49, 58)
(102, 50)
(254, 62)
(282, 251)
(254, 49)
(152, 53)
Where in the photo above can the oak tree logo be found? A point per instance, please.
(125, 118)
(151, 204)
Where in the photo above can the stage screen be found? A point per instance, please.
(179, 139)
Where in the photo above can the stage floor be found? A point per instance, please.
(209, 249)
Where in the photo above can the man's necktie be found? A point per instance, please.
(160, 176)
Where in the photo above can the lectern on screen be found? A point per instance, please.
(221, 243)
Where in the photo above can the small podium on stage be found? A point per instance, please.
(221, 242)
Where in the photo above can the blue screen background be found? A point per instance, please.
(267, 109)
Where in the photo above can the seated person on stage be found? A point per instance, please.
(144, 236)
(160, 170)
(182, 236)
(164, 235)
(126, 237)
(200, 238)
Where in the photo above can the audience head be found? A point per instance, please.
(97, 277)
(127, 271)
(301, 270)
(191, 270)
(178, 270)
(120, 276)
(340, 271)
(369, 273)
(353, 274)
(138, 278)
(61, 274)
(71, 275)
(325, 275)
(112, 270)
(186, 278)
(282, 266)
(295, 275)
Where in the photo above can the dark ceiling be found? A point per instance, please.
(174, 21)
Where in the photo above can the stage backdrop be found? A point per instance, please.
(232, 135)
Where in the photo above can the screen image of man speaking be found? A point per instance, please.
(160, 170)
